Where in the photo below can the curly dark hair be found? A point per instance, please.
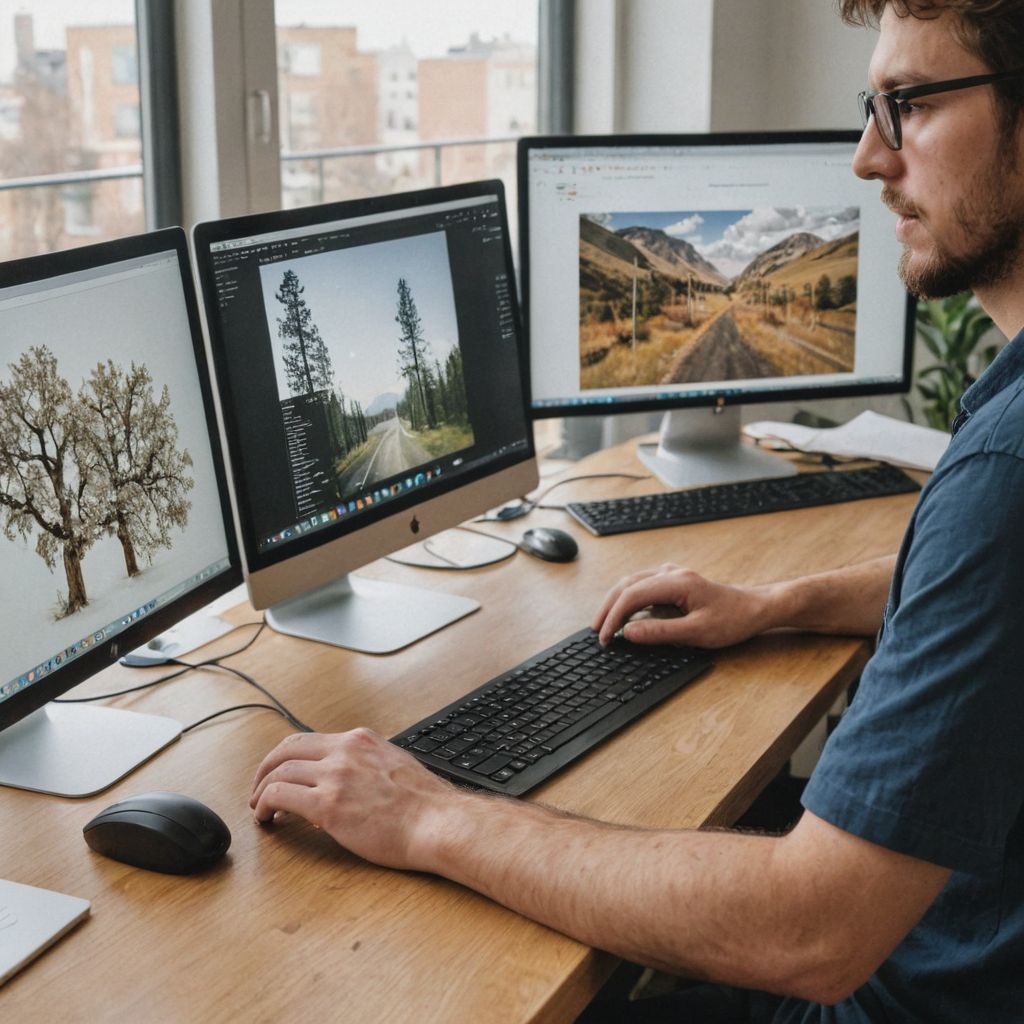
(991, 30)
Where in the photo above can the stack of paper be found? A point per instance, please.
(867, 436)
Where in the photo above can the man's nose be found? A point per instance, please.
(874, 159)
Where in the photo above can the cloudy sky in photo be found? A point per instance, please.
(730, 239)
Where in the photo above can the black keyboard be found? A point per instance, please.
(513, 732)
(745, 498)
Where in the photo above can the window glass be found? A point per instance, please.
(70, 148)
(468, 70)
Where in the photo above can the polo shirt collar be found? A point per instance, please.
(1007, 367)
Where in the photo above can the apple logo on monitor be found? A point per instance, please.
(414, 525)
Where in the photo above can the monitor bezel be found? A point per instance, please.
(750, 395)
(39, 268)
(258, 564)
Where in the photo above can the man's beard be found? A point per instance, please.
(995, 235)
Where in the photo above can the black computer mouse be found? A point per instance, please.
(550, 544)
(160, 832)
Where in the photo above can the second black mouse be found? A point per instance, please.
(550, 544)
(165, 832)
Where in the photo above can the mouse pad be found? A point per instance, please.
(32, 919)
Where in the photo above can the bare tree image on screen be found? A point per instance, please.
(75, 467)
(717, 295)
(133, 439)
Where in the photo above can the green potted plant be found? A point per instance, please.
(951, 329)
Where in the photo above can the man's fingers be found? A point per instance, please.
(660, 589)
(654, 630)
(613, 595)
(299, 773)
(286, 796)
(300, 746)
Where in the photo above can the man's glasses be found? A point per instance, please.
(884, 107)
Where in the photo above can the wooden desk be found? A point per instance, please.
(290, 927)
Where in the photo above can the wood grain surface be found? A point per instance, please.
(289, 926)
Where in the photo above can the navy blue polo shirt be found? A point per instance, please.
(929, 758)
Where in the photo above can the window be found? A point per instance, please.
(126, 120)
(70, 147)
(124, 65)
(461, 74)
(303, 120)
(301, 58)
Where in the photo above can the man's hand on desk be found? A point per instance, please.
(706, 614)
(373, 798)
(688, 609)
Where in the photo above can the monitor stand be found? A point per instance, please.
(77, 750)
(705, 446)
(369, 616)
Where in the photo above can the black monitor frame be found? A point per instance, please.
(36, 268)
(750, 394)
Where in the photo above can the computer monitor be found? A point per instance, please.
(675, 272)
(114, 517)
(369, 370)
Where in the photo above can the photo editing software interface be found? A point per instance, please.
(680, 273)
(109, 500)
(367, 362)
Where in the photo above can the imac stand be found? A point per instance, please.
(367, 615)
(76, 750)
(704, 446)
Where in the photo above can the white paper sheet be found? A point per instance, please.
(867, 436)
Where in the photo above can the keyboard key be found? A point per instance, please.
(492, 764)
(473, 757)
(574, 730)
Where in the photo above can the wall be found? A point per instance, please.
(720, 65)
(643, 65)
(785, 64)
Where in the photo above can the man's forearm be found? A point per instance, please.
(690, 902)
(811, 914)
(845, 601)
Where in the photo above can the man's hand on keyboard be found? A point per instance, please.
(374, 799)
(709, 614)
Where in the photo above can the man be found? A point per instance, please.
(899, 895)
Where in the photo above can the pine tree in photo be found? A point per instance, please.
(132, 440)
(307, 362)
(46, 476)
(414, 352)
(455, 387)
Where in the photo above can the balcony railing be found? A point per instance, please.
(72, 178)
(309, 177)
(438, 157)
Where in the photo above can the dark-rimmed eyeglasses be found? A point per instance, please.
(885, 107)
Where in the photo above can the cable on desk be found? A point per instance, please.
(172, 675)
(245, 707)
(278, 706)
(449, 565)
(527, 505)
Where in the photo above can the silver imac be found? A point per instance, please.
(115, 521)
(369, 370)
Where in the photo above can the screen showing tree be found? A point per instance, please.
(78, 465)
(108, 492)
(716, 295)
(368, 363)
